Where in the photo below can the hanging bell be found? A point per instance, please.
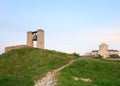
(35, 37)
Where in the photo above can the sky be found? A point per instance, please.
(70, 25)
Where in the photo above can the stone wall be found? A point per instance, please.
(14, 47)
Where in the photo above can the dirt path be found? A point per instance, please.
(49, 79)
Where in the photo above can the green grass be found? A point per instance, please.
(23, 66)
(101, 72)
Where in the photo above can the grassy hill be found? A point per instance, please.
(98, 72)
(21, 67)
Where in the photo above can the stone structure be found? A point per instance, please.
(31, 37)
(104, 51)
(14, 47)
(36, 36)
(40, 39)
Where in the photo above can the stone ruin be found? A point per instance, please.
(31, 37)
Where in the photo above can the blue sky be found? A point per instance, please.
(69, 25)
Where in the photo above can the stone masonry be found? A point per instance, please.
(40, 38)
(30, 40)
(104, 51)
(14, 47)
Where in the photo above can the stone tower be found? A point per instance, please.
(30, 38)
(36, 36)
(103, 46)
(40, 39)
(103, 50)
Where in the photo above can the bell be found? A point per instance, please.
(35, 37)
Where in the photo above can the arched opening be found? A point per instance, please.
(34, 39)
(35, 44)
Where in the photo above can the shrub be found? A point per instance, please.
(98, 57)
(76, 54)
(114, 56)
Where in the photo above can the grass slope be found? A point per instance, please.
(101, 72)
(21, 67)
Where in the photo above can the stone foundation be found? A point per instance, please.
(14, 47)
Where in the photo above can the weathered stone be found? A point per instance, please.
(30, 35)
(14, 47)
(30, 38)
(40, 39)
(104, 52)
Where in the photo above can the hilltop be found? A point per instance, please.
(21, 67)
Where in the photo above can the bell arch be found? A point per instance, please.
(37, 36)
